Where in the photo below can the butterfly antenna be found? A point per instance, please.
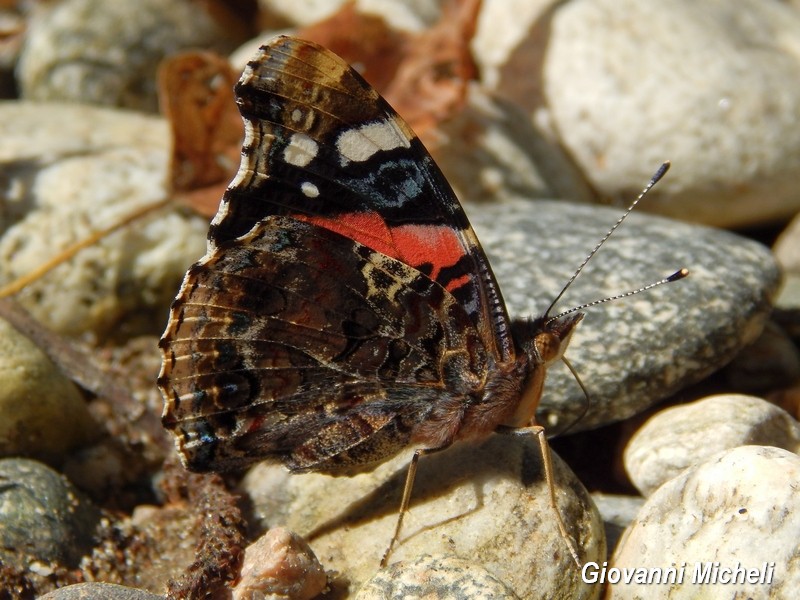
(676, 276)
(653, 180)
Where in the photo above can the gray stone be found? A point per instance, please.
(487, 504)
(629, 353)
(489, 151)
(99, 591)
(107, 52)
(43, 518)
(437, 577)
(739, 508)
(681, 436)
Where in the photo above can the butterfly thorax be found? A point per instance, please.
(511, 391)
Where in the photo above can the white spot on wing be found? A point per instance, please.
(361, 143)
(309, 189)
(301, 150)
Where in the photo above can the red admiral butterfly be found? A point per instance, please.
(344, 309)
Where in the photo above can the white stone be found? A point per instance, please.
(624, 85)
(681, 436)
(711, 86)
(739, 507)
(410, 15)
(74, 170)
(434, 577)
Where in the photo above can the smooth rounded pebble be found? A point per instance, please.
(681, 436)
(490, 151)
(738, 509)
(487, 504)
(102, 165)
(280, 564)
(42, 413)
(633, 352)
(94, 51)
(435, 577)
(630, 83)
(43, 517)
(99, 591)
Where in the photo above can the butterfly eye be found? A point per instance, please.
(548, 347)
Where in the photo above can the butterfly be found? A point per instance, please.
(344, 309)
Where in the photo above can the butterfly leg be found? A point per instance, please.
(410, 476)
(538, 431)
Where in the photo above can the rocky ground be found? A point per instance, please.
(686, 449)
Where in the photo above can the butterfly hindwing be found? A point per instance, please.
(293, 334)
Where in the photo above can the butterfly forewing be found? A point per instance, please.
(322, 145)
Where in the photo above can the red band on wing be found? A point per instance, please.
(416, 245)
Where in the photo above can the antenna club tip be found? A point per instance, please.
(660, 172)
(684, 272)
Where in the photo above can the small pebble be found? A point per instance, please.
(42, 516)
(42, 413)
(280, 565)
(681, 436)
(99, 591)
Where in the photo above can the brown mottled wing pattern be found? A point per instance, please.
(343, 297)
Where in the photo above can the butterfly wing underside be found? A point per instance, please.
(343, 295)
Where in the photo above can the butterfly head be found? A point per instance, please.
(549, 338)
(540, 342)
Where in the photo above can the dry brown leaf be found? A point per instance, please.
(425, 76)
(431, 84)
(196, 96)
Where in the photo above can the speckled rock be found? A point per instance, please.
(487, 504)
(107, 51)
(629, 353)
(42, 516)
(679, 437)
(435, 577)
(280, 564)
(739, 508)
(621, 94)
(42, 413)
(99, 591)
(70, 171)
